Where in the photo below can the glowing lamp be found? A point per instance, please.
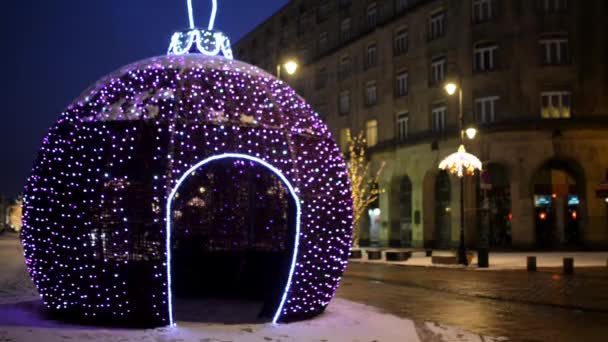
(460, 162)
(471, 133)
(451, 88)
(291, 67)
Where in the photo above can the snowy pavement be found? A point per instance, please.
(504, 261)
(22, 319)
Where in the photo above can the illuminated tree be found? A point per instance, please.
(364, 184)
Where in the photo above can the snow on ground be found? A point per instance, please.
(22, 319)
(507, 261)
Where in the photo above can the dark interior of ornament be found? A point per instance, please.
(233, 230)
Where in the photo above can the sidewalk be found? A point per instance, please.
(498, 260)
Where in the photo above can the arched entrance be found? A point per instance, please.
(232, 234)
(559, 192)
(495, 188)
(443, 217)
(405, 211)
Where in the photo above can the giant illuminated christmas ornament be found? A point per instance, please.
(460, 163)
(187, 174)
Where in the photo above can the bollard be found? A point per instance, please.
(568, 265)
(531, 264)
(429, 253)
(483, 258)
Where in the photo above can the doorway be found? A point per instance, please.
(234, 225)
(558, 205)
(443, 211)
(405, 201)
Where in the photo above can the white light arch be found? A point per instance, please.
(168, 224)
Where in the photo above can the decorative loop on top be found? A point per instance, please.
(211, 18)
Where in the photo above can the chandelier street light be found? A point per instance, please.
(461, 164)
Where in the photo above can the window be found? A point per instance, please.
(372, 16)
(555, 51)
(371, 133)
(401, 42)
(344, 3)
(321, 79)
(371, 57)
(323, 41)
(556, 105)
(483, 10)
(437, 25)
(403, 126)
(345, 27)
(485, 109)
(401, 85)
(371, 93)
(485, 57)
(549, 6)
(321, 110)
(345, 67)
(344, 137)
(401, 5)
(323, 11)
(438, 66)
(439, 114)
(302, 24)
(344, 102)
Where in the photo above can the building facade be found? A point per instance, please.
(534, 77)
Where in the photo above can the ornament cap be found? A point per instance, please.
(207, 41)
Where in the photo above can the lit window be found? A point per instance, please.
(372, 16)
(401, 86)
(556, 105)
(438, 68)
(485, 57)
(371, 57)
(483, 10)
(371, 133)
(439, 115)
(485, 109)
(344, 102)
(555, 51)
(345, 27)
(401, 42)
(437, 25)
(371, 92)
(403, 126)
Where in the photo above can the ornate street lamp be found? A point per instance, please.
(461, 163)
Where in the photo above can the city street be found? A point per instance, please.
(521, 306)
(542, 306)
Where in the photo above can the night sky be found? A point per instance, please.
(56, 49)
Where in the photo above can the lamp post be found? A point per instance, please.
(461, 163)
(291, 67)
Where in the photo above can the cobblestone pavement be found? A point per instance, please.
(542, 306)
